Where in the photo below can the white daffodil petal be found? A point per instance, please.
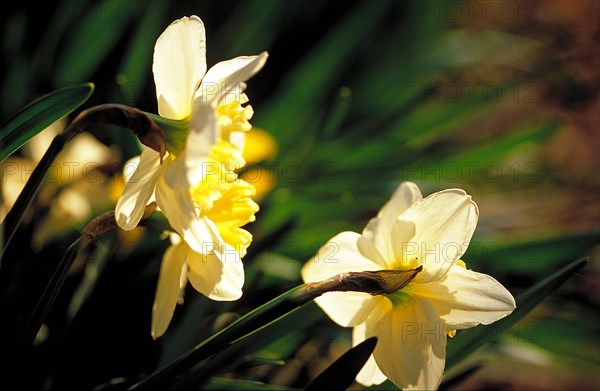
(411, 350)
(178, 207)
(225, 76)
(444, 224)
(339, 255)
(178, 67)
(347, 308)
(216, 279)
(401, 237)
(204, 133)
(378, 228)
(167, 291)
(464, 298)
(139, 189)
(370, 374)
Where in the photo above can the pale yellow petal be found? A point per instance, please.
(378, 229)
(444, 224)
(226, 76)
(411, 350)
(167, 291)
(464, 298)
(218, 278)
(339, 255)
(347, 308)
(139, 189)
(177, 206)
(179, 64)
(370, 374)
(203, 134)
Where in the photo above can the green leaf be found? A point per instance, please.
(309, 82)
(341, 374)
(93, 39)
(338, 113)
(40, 114)
(245, 326)
(513, 255)
(137, 62)
(466, 341)
(49, 295)
(283, 332)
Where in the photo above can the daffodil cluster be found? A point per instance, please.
(197, 188)
(195, 184)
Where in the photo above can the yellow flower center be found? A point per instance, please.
(218, 174)
(232, 211)
(221, 195)
(233, 117)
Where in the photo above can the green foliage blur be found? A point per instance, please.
(499, 98)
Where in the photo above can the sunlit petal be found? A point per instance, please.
(218, 278)
(204, 133)
(179, 64)
(339, 255)
(178, 208)
(167, 291)
(139, 189)
(411, 350)
(370, 374)
(464, 298)
(226, 76)
(378, 229)
(444, 224)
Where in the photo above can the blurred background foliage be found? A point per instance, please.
(497, 97)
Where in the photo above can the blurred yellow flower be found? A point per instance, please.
(196, 186)
(411, 324)
(76, 185)
(260, 146)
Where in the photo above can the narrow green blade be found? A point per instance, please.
(92, 39)
(341, 374)
(40, 114)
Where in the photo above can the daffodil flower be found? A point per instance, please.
(412, 324)
(181, 264)
(196, 185)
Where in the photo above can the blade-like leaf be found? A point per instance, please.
(248, 324)
(86, 49)
(283, 331)
(467, 341)
(137, 62)
(40, 114)
(341, 374)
